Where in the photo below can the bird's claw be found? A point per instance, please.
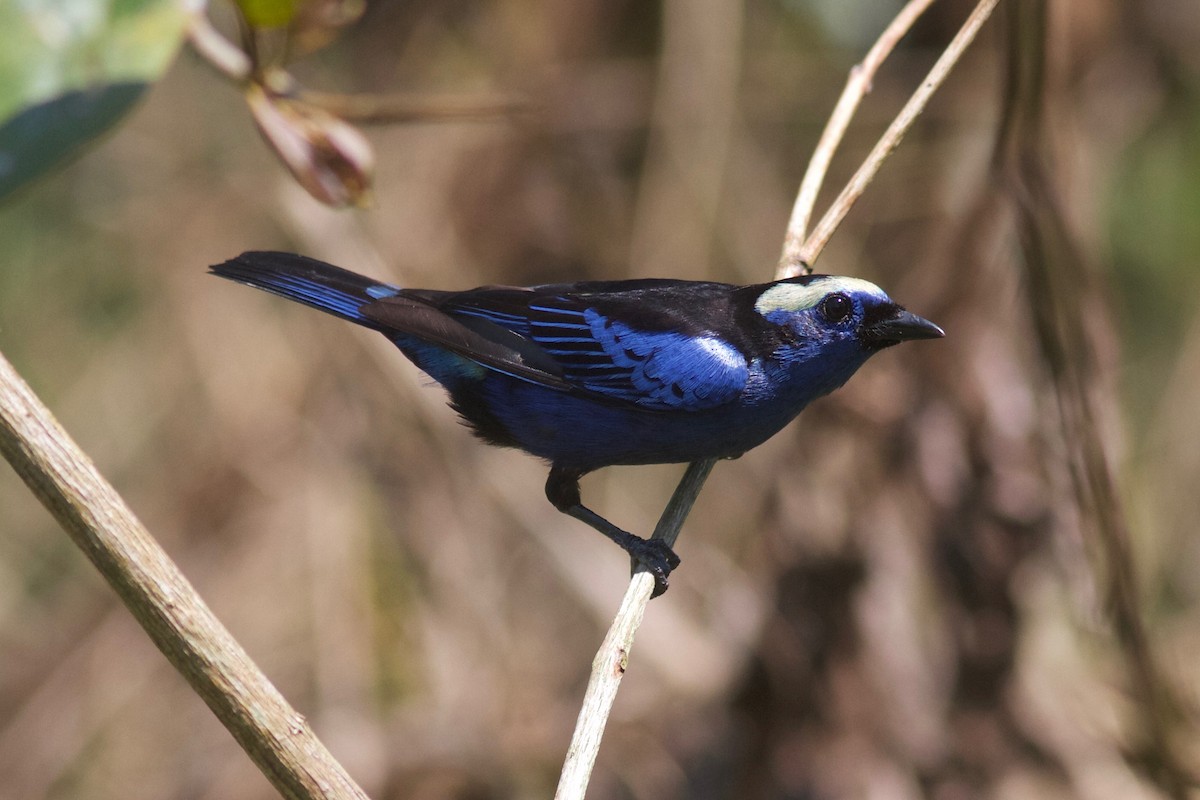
(658, 559)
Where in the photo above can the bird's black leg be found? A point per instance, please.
(562, 489)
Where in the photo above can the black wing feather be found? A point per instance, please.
(484, 342)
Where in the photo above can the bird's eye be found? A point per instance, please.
(835, 307)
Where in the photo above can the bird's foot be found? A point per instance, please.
(657, 557)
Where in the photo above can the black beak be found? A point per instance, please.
(899, 326)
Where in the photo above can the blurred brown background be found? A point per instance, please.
(894, 598)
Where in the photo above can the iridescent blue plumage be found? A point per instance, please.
(588, 375)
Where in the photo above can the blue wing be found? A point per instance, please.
(610, 355)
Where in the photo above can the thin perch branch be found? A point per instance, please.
(271, 732)
(609, 665)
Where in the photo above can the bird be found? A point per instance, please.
(595, 374)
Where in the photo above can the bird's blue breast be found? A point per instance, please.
(585, 432)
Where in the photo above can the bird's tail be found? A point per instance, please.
(306, 280)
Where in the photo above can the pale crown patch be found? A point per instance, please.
(800, 297)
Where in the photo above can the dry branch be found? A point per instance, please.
(274, 735)
(608, 667)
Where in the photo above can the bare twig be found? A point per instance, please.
(820, 235)
(857, 86)
(271, 732)
(609, 665)
(611, 660)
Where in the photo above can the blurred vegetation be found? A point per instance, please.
(897, 597)
(70, 69)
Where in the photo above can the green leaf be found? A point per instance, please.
(70, 69)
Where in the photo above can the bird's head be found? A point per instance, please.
(843, 319)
